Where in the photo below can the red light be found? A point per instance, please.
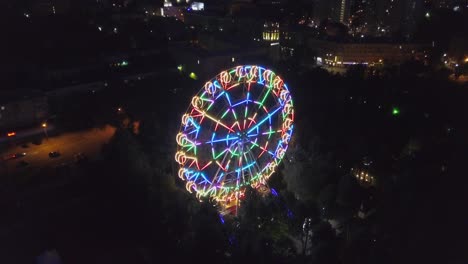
(11, 134)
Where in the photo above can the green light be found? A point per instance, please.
(124, 63)
(193, 76)
(180, 68)
(395, 111)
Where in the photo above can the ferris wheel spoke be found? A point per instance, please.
(264, 149)
(221, 169)
(255, 169)
(223, 140)
(267, 133)
(215, 120)
(267, 117)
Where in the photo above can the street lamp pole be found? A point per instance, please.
(44, 126)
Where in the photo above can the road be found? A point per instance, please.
(88, 142)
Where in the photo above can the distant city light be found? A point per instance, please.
(395, 111)
(428, 15)
(198, 6)
(99, 28)
(193, 76)
(180, 68)
(11, 134)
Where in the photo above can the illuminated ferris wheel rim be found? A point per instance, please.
(245, 149)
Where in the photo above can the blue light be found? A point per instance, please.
(273, 191)
(222, 219)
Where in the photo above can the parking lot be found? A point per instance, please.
(68, 145)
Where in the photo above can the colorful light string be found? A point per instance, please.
(235, 133)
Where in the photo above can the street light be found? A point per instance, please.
(44, 126)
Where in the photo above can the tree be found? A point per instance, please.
(307, 170)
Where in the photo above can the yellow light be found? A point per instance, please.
(193, 76)
(466, 59)
(44, 125)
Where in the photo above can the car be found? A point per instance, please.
(54, 154)
(22, 164)
(20, 155)
(15, 156)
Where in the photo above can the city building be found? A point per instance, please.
(350, 53)
(271, 32)
(335, 10)
(22, 108)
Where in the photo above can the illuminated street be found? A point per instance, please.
(88, 142)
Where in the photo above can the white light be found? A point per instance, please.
(233, 59)
(198, 61)
(99, 28)
(274, 43)
(198, 6)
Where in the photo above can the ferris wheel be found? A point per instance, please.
(235, 133)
